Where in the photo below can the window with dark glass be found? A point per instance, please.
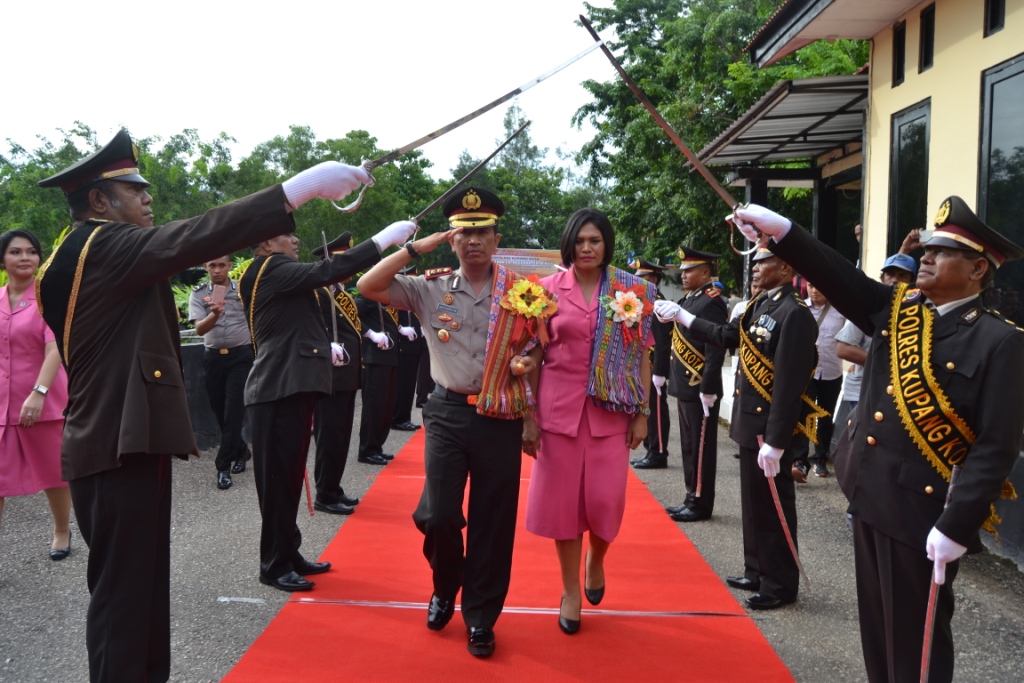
(899, 52)
(995, 16)
(926, 56)
(908, 173)
(1001, 170)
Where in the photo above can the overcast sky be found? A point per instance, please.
(398, 69)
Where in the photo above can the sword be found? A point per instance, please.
(334, 316)
(309, 496)
(461, 181)
(660, 120)
(700, 453)
(785, 526)
(933, 594)
(369, 166)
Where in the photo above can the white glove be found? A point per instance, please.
(760, 218)
(397, 233)
(330, 180)
(378, 338)
(706, 402)
(407, 332)
(768, 460)
(942, 549)
(338, 355)
(670, 311)
(658, 381)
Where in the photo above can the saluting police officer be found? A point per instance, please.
(334, 413)
(227, 360)
(293, 366)
(455, 308)
(380, 379)
(696, 382)
(941, 388)
(659, 422)
(104, 292)
(775, 336)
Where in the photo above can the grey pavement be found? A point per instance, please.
(219, 608)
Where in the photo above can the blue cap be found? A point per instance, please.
(901, 261)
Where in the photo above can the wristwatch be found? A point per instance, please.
(41, 389)
(645, 410)
(411, 249)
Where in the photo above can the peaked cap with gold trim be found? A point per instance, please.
(958, 227)
(339, 244)
(645, 267)
(117, 160)
(691, 258)
(473, 208)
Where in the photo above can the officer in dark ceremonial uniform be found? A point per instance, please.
(293, 363)
(941, 388)
(659, 422)
(461, 444)
(777, 356)
(696, 382)
(334, 413)
(104, 292)
(410, 346)
(424, 384)
(380, 379)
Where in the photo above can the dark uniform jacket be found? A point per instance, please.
(293, 353)
(662, 332)
(125, 385)
(977, 359)
(346, 377)
(371, 313)
(417, 345)
(707, 304)
(789, 345)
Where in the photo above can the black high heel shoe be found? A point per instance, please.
(59, 554)
(569, 626)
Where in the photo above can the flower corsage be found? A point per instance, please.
(627, 305)
(531, 305)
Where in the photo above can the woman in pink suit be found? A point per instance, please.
(33, 391)
(591, 406)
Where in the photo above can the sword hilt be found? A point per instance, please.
(368, 166)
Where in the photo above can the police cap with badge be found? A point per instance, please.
(473, 208)
(338, 245)
(958, 227)
(117, 160)
(644, 267)
(691, 258)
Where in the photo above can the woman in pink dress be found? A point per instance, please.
(33, 391)
(591, 406)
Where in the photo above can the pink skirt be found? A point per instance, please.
(30, 458)
(578, 484)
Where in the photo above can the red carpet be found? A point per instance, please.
(665, 616)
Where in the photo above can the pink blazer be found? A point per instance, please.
(23, 335)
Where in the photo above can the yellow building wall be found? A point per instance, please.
(954, 85)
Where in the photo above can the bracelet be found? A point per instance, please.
(411, 249)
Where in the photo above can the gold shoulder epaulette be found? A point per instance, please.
(713, 292)
(434, 273)
(799, 300)
(992, 312)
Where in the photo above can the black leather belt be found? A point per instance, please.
(454, 396)
(225, 352)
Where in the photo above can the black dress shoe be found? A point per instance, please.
(420, 404)
(373, 459)
(570, 627)
(345, 500)
(634, 461)
(652, 462)
(239, 465)
(58, 554)
(290, 582)
(675, 508)
(481, 641)
(439, 613)
(333, 508)
(688, 515)
(758, 601)
(743, 583)
(387, 456)
(307, 568)
(223, 480)
(405, 426)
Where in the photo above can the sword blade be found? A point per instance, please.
(660, 120)
(933, 595)
(461, 181)
(334, 315)
(700, 455)
(785, 525)
(391, 156)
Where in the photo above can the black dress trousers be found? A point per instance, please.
(408, 369)
(332, 430)
(460, 444)
(280, 440)
(659, 423)
(124, 515)
(225, 375)
(379, 384)
(691, 419)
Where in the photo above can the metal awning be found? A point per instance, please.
(799, 119)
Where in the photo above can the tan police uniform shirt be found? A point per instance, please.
(231, 330)
(454, 320)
